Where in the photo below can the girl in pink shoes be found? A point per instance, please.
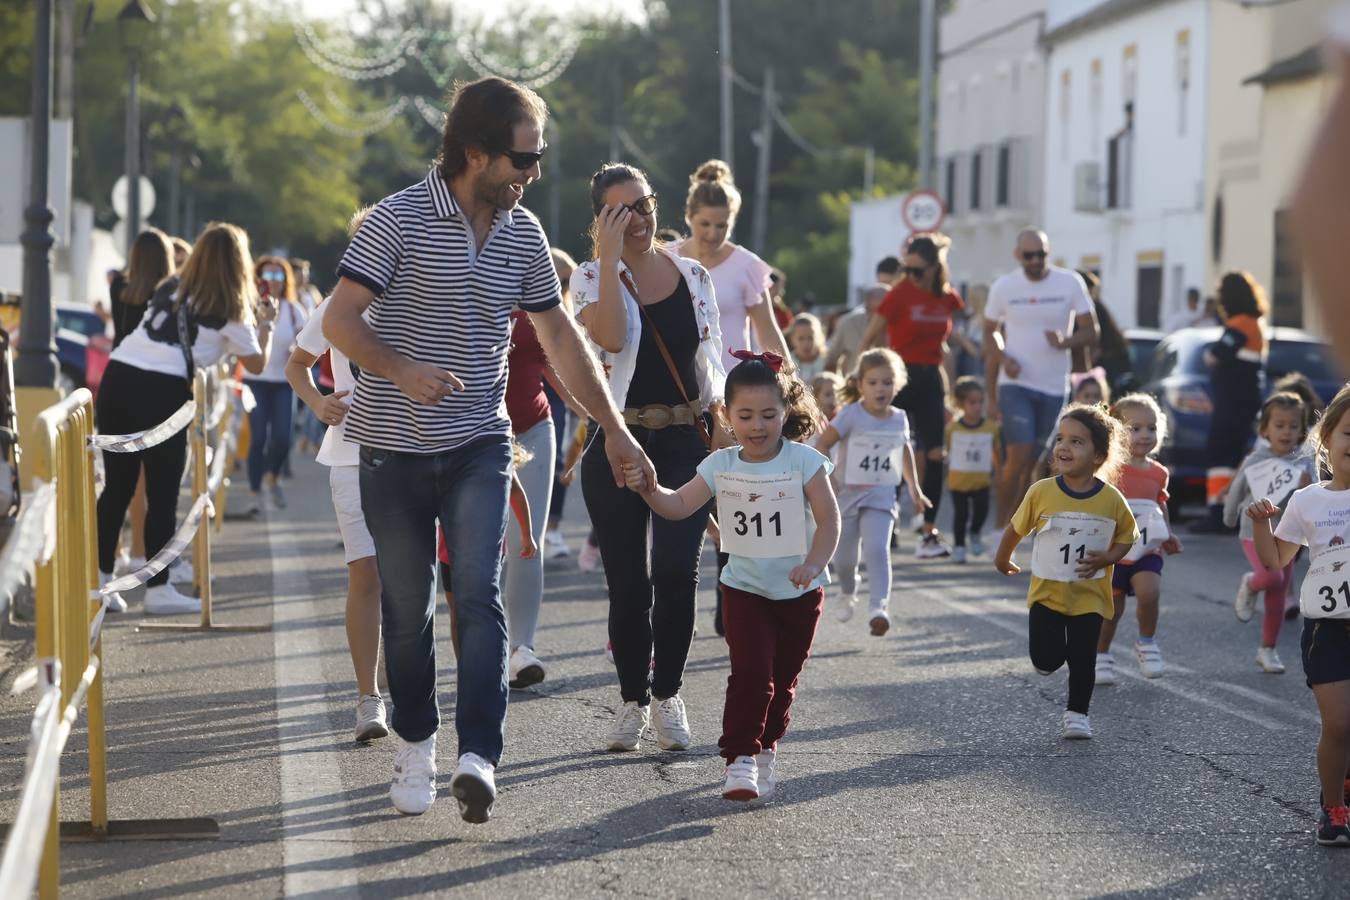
(1318, 517)
(1272, 471)
(779, 525)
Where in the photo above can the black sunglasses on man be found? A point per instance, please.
(523, 159)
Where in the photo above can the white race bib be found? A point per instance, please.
(1273, 479)
(1326, 587)
(1151, 521)
(873, 458)
(972, 451)
(1064, 540)
(761, 516)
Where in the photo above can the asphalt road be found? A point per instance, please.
(924, 764)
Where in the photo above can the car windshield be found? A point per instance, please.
(1312, 358)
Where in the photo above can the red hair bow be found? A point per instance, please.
(769, 358)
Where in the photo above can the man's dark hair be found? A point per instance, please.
(889, 265)
(484, 114)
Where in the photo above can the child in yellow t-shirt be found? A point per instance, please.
(973, 460)
(1083, 527)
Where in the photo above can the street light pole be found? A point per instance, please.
(134, 23)
(927, 53)
(724, 51)
(36, 364)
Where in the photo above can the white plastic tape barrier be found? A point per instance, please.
(130, 443)
(171, 551)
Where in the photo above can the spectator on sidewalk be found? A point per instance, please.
(845, 345)
(1190, 315)
(270, 422)
(441, 265)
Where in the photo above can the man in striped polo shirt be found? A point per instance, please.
(440, 266)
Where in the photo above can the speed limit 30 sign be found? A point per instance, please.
(922, 211)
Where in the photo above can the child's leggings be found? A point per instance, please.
(1055, 638)
(1275, 583)
(872, 528)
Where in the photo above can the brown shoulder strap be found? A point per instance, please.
(665, 354)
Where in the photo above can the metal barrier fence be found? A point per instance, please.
(70, 613)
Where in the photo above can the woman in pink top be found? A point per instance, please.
(740, 278)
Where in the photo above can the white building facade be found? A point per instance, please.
(991, 121)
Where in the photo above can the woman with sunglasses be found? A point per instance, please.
(917, 316)
(653, 319)
(272, 415)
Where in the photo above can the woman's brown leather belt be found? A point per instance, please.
(655, 416)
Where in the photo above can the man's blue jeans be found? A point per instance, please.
(402, 496)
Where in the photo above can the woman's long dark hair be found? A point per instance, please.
(932, 248)
(606, 177)
(151, 261)
(1240, 295)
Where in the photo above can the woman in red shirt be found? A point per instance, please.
(917, 318)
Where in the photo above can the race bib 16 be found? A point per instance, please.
(972, 451)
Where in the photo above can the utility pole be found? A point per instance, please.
(65, 77)
(759, 236)
(36, 363)
(724, 52)
(869, 170)
(927, 56)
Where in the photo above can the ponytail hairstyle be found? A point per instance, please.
(606, 177)
(801, 419)
(876, 358)
(712, 185)
(932, 249)
(1108, 437)
(1326, 427)
(1140, 402)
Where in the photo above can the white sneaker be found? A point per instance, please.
(932, 547)
(525, 668)
(1106, 669)
(1150, 658)
(742, 779)
(413, 788)
(1268, 661)
(628, 727)
(958, 554)
(555, 547)
(114, 600)
(182, 572)
(126, 564)
(588, 560)
(1244, 602)
(879, 623)
(1076, 727)
(370, 721)
(475, 788)
(671, 724)
(767, 781)
(164, 600)
(846, 604)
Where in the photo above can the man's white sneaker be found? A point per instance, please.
(370, 721)
(1150, 658)
(742, 779)
(413, 788)
(555, 547)
(164, 600)
(588, 560)
(1268, 660)
(671, 724)
(115, 601)
(1244, 602)
(628, 727)
(475, 788)
(1106, 669)
(846, 604)
(525, 668)
(767, 780)
(1076, 726)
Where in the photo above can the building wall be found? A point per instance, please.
(1152, 56)
(991, 85)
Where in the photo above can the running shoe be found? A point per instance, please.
(474, 787)
(1076, 727)
(1106, 669)
(1244, 602)
(525, 668)
(413, 787)
(555, 547)
(164, 600)
(671, 724)
(742, 780)
(959, 555)
(932, 547)
(846, 604)
(115, 602)
(1333, 827)
(588, 560)
(628, 727)
(879, 623)
(767, 780)
(1268, 661)
(278, 498)
(1150, 658)
(370, 719)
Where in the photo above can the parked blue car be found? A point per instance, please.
(1177, 377)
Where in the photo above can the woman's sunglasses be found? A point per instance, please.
(273, 275)
(642, 206)
(916, 271)
(523, 159)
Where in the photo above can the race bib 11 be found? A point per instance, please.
(1064, 540)
(874, 458)
(1326, 588)
(761, 516)
(1151, 521)
(972, 451)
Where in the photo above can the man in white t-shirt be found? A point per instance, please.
(1321, 211)
(1034, 317)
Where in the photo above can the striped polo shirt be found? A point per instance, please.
(442, 300)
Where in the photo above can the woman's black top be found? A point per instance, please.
(674, 318)
(125, 316)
